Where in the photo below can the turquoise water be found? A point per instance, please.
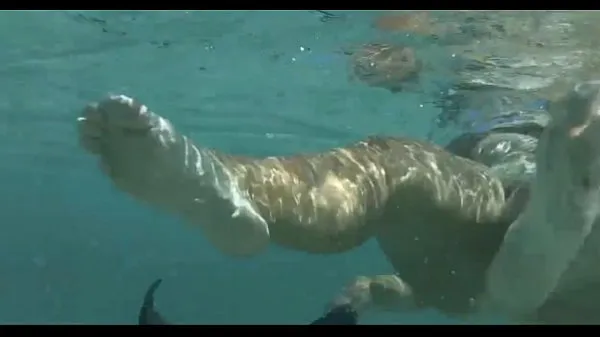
(74, 249)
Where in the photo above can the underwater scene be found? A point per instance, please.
(269, 166)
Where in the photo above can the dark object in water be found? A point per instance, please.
(385, 66)
(148, 314)
(342, 315)
(327, 16)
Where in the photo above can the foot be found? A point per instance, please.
(145, 157)
(139, 150)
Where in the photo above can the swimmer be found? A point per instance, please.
(519, 136)
(456, 239)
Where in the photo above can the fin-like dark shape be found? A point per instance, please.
(342, 315)
(148, 314)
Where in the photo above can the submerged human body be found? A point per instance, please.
(439, 218)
